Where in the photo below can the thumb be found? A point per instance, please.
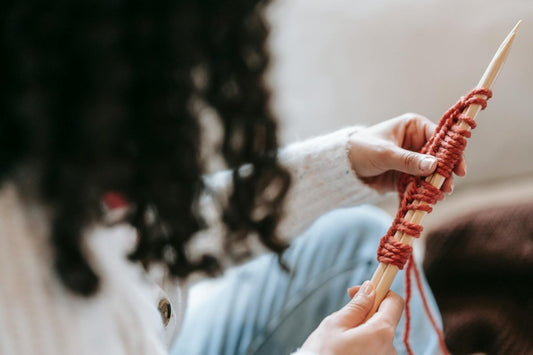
(412, 163)
(355, 312)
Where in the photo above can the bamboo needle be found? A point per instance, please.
(385, 273)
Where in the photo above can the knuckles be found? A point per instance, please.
(409, 159)
(413, 116)
(359, 307)
(330, 320)
(400, 302)
(384, 331)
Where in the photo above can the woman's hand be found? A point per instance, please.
(379, 152)
(343, 332)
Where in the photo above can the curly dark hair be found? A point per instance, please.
(96, 96)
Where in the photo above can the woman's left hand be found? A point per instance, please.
(378, 153)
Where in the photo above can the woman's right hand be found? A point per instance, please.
(344, 332)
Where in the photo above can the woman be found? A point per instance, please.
(104, 98)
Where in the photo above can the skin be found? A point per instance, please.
(379, 152)
(377, 155)
(344, 332)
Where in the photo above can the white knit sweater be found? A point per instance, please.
(37, 314)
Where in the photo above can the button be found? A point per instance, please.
(166, 310)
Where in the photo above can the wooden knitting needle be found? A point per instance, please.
(385, 273)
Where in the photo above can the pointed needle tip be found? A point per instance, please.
(499, 58)
(515, 29)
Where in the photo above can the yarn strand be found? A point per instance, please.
(415, 194)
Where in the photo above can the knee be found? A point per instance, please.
(361, 219)
(343, 238)
(362, 225)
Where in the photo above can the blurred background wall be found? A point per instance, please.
(345, 62)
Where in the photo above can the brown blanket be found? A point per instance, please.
(480, 268)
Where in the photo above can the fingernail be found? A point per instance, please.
(428, 163)
(367, 288)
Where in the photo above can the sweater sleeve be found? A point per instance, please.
(322, 180)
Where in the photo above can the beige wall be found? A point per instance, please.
(342, 62)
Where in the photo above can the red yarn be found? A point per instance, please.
(114, 200)
(407, 329)
(391, 251)
(447, 145)
(442, 343)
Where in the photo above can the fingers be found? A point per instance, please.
(417, 131)
(410, 162)
(429, 127)
(448, 186)
(460, 169)
(343, 332)
(352, 291)
(389, 311)
(420, 165)
(378, 151)
(355, 312)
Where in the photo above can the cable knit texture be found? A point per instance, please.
(39, 316)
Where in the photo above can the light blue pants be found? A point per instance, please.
(260, 309)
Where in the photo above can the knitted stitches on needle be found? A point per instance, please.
(447, 145)
(416, 194)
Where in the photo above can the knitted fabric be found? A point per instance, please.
(447, 145)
